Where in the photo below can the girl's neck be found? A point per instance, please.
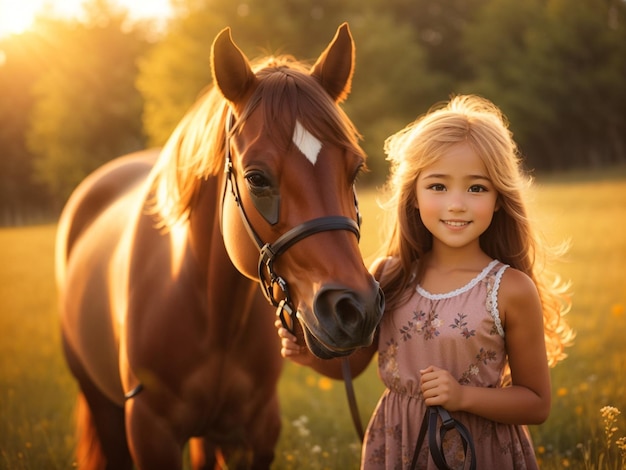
(444, 272)
(444, 259)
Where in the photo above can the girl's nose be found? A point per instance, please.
(456, 203)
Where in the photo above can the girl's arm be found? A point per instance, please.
(527, 401)
(291, 349)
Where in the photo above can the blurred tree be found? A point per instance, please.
(556, 69)
(578, 59)
(88, 110)
(174, 72)
(440, 30)
(20, 65)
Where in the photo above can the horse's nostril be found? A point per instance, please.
(349, 312)
(344, 315)
(342, 320)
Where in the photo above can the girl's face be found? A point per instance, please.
(455, 197)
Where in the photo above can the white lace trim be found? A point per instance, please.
(460, 290)
(495, 313)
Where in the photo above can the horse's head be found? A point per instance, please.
(289, 212)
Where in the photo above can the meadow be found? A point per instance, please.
(585, 430)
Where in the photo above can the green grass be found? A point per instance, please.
(37, 392)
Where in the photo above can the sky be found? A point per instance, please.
(16, 16)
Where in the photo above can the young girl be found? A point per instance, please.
(472, 323)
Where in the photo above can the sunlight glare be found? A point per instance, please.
(18, 16)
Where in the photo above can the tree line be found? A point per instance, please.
(75, 94)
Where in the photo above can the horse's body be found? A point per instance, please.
(164, 326)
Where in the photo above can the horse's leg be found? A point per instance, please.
(255, 449)
(151, 437)
(102, 437)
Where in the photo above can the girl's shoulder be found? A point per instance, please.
(517, 287)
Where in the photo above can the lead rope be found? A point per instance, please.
(429, 426)
(354, 409)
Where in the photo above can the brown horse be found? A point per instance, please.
(159, 255)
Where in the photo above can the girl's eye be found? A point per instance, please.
(477, 188)
(437, 187)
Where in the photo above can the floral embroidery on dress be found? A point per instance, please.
(461, 324)
(423, 323)
(378, 456)
(483, 356)
(389, 364)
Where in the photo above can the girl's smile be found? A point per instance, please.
(455, 223)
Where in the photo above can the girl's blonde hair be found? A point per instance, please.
(510, 238)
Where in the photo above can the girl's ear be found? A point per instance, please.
(498, 205)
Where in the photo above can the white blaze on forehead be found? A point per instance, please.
(308, 144)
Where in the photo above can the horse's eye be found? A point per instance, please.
(257, 182)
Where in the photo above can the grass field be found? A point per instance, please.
(37, 393)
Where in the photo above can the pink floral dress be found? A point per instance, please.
(459, 331)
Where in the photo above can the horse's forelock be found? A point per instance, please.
(286, 93)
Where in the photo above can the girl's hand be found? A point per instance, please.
(440, 388)
(289, 347)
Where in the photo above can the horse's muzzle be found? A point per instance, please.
(342, 320)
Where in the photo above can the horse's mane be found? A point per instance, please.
(195, 151)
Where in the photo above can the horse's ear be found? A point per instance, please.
(231, 69)
(335, 66)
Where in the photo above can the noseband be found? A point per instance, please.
(269, 252)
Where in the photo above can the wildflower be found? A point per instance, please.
(617, 310)
(609, 416)
(561, 392)
(325, 384)
(621, 445)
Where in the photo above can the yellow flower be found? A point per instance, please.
(325, 384)
(541, 450)
(579, 410)
(561, 392)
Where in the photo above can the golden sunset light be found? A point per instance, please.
(17, 16)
